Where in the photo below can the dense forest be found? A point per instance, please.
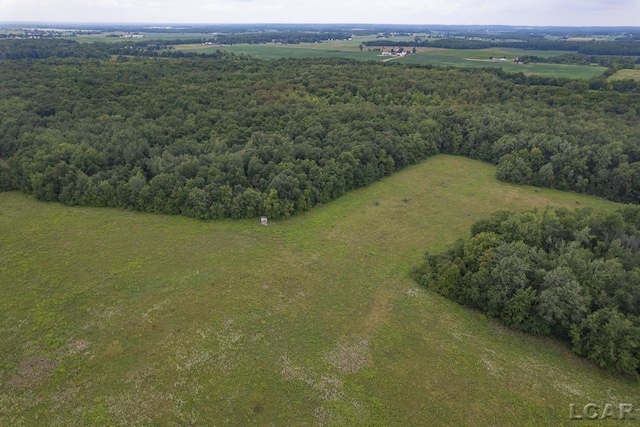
(55, 48)
(224, 136)
(68, 48)
(571, 274)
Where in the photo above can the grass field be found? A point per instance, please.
(111, 317)
(626, 74)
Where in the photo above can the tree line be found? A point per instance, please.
(51, 48)
(286, 37)
(571, 274)
(67, 48)
(621, 47)
(581, 59)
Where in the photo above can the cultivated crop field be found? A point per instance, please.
(112, 317)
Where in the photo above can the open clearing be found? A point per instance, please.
(117, 317)
(626, 74)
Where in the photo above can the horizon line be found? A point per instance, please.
(168, 23)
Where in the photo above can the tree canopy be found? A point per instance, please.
(571, 274)
(224, 136)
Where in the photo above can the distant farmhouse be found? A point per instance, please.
(387, 53)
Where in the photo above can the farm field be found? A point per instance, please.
(350, 49)
(626, 74)
(117, 317)
(480, 58)
(432, 56)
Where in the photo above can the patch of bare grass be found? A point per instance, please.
(328, 388)
(33, 372)
(349, 358)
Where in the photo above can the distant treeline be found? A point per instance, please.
(64, 48)
(624, 48)
(574, 275)
(580, 59)
(51, 48)
(602, 53)
(226, 136)
(288, 37)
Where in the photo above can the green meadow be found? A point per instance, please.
(112, 317)
(626, 74)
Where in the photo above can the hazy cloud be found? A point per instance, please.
(523, 12)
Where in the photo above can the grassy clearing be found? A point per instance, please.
(626, 74)
(115, 317)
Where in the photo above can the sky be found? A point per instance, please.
(448, 12)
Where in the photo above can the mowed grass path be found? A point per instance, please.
(115, 317)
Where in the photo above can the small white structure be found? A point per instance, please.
(263, 220)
